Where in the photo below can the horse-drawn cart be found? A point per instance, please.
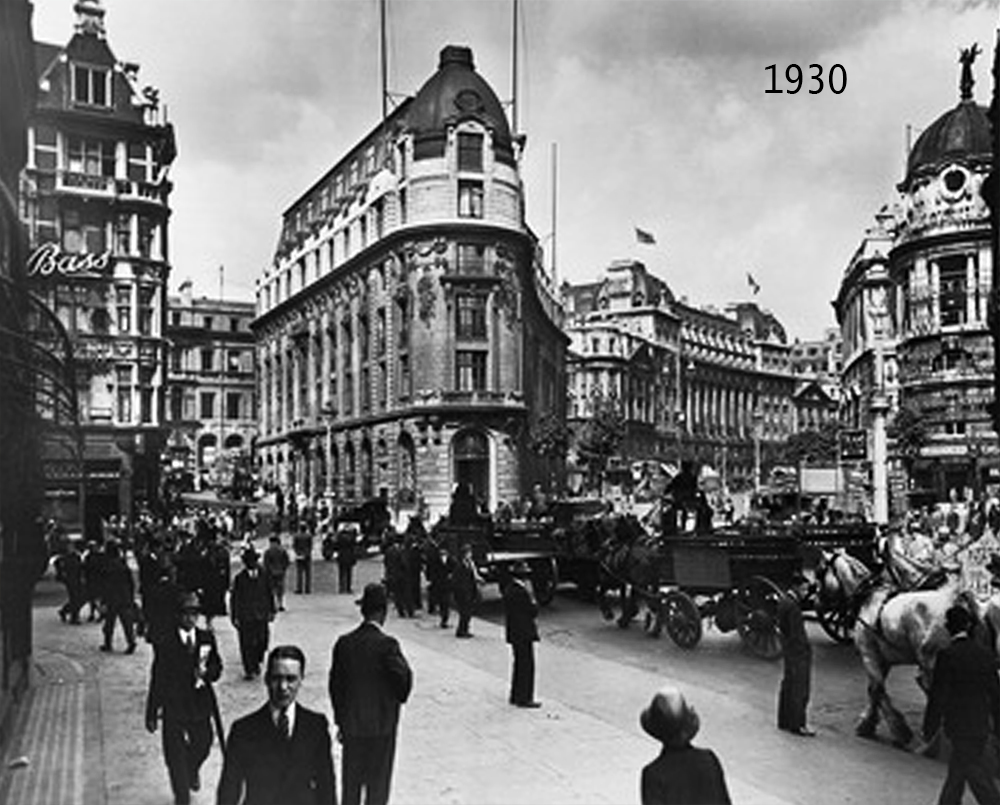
(734, 578)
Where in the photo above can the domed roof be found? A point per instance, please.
(454, 93)
(961, 134)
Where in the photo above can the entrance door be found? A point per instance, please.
(471, 452)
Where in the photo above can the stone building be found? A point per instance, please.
(914, 301)
(95, 203)
(211, 406)
(692, 383)
(408, 336)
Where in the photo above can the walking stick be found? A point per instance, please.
(217, 721)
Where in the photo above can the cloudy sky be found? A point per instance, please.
(657, 108)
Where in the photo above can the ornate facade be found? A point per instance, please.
(95, 202)
(211, 395)
(914, 301)
(692, 383)
(407, 334)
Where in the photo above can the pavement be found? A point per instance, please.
(79, 737)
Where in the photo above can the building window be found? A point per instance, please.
(470, 152)
(176, 359)
(233, 361)
(207, 404)
(146, 231)
(402, 206)
(380, 332)
(471, 323)
(123, 233)
(145, 395)
(146, 310)
(207, 362)
(471, 259)
(404, 376)
(124, 383)
(123, 307)
(176, 404)
(953, 278)
(366, 389)
(470, 370)
(470, 199)
(234, 325)
(90, 156)
(91, 86)
(206, 322)
(233, 405)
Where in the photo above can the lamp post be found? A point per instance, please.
(879, 409)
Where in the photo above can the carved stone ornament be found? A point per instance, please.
(508, 291)
(427, 296)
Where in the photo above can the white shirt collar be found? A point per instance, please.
(188, 636)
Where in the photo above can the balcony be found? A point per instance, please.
(85, 184)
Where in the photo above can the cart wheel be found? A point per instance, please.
(543, 581)
(680, 615)
(757, 617)
(837, 622)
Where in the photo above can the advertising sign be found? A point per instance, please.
(853, 445)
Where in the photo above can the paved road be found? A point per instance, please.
(460, 742)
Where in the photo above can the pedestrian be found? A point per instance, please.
(119, 598)
(160, 603)
(465, 581)
(347, 556)
(440, 567)
(282, 752)
(302, 544)
(216, 577)
(69, 570)
(521, 631)
(182, 700)
(682, 774)
(369, 680)
(251, 608)
(94, 562)
(276, 563)
(396, 581)
(793, 698)
(414, 565)
(965, 697)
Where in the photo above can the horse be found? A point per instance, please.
(627, 563)
(894, 626)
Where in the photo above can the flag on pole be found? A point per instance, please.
(642, 236)
(753, 284)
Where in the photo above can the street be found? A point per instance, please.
(460, 742)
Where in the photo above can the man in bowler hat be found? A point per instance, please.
(521, 631)
(251, 609)
(682, 774)
(369, 680)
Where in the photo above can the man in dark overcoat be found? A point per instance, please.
(181, 699)
(793, 698)
(369, 681)
(251, 609)
(281, 753)
(465, 582)
(69, 568)
(521, 632)
(965, 696)
(119, 597)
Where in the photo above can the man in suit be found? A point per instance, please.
(521, 631)
(793, 698)
(251, 607)
(282, 752)
(682, 774)
(119, 597)
(369, 680)
(465, 582)
(185, 664)
(965, 695)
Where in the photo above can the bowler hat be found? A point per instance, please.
(373, 599)
(250, 555)
(189, 602)
(669, 718)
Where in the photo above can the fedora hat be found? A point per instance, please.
(250, 555)
(373, 599)
(189, 602)
(669, 718)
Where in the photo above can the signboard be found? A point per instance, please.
(49, 259)
(853, 445)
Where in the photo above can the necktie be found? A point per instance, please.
(283, 724)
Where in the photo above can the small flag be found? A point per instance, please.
(753, 284)
(642, 236)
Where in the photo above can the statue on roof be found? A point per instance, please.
(966, 57)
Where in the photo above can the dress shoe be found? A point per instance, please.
(804, 732)
(464, 635)
(105, 648)
(62, 616)
(195, 781)
(531, 705)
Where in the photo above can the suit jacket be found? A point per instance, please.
(965, 692)
(251, 599)
(172, 686)
(369, 680)
(464, 583)
(262, 767)
(791, 627)
(685, 776)
(520, 611)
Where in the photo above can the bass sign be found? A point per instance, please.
(49, 258)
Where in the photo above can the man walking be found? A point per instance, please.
(185, 664)
(302, 544)
(119, 598)
(369, 680)
(965, 695)
(276, 566)
(521, 630)
(280, 753)
(465, 581)
(69, 570)
(251, 608)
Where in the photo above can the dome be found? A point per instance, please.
(456, 92)
(961, 135)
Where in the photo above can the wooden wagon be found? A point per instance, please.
(736, 579)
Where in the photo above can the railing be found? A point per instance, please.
(85, 182)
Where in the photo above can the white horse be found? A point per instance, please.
(895, 626)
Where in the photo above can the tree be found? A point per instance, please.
(602, 435)
(909, 432)
(550, 438)
(813, 446)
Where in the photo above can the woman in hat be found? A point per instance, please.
(682, 774)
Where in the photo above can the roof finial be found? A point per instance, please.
(89, 17)
(966, 58)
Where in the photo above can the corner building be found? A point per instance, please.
(408, 337)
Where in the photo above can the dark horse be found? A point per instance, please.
(627, 565)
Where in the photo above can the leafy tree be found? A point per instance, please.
(909, 432)
(812, 446)
(550, 437)
(602, 435)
